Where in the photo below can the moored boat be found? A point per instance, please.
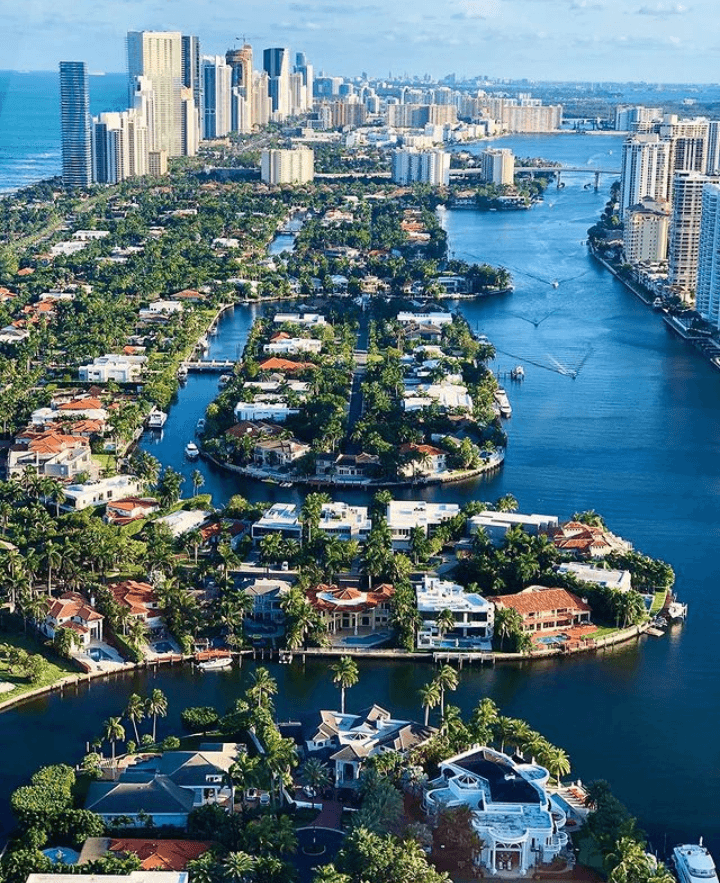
(658, 303)
(192, 451)
(518, 373)
(216, 664)
(225, 379)
(503, 402)
(200, 426)
(157, 419)
(182, 373)
(694, 864)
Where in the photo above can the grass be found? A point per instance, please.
(55, 670)
(603, 632)
(658, 602)
(107, 463)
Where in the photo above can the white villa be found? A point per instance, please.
(101, 491)
(512, 813)
(72, 611)
(611, 579)
(277, 411)
(474, 616)
(497, 524)
(336, 518)
(428, 318)
(300, 319)
(280, 518)
(452, 396)
(403, 515)
(293, 345)
(351, 738)
(121, 369)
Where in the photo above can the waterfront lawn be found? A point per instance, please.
(56, 668)
(658, 602)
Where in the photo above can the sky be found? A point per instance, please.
(596, 40)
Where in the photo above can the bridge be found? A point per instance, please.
(558, 172)
(217, 366)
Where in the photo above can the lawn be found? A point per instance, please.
(658, 602)
(55, 669)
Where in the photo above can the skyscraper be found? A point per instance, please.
(287, 166)
(75, 124)
(191, 75)
(157, 55)
(216, 87)
(707, 292)
(498, 166)
(685, 230)
(276, 65)
(645, 165)
(241, 102)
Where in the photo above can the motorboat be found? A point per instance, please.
(658, 303)
(200, 426)
(518, 373)
(182, 373)
(157, 419)
(694, 864)
(503, 402)
(217, 664)
(555, 283)
(225, 379)
(192, 451)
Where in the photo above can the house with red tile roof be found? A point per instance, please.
(140, 599)
(129, 509)
(422, 460)
(346, 609)
(51, 453)
(160, 855)
(276, 364)
(587, 540)
(72, 611)
(544, 610)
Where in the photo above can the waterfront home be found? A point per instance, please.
(120, 368)
(344, 521)
(473, 616)
(281, 518)
(497, 524)
(447, 396)
(132, 877)
(511, 811)
(403, 515)
(255, 429)
(184, 520)
(348, 740)
(587, 541)
(422, 460)
(266, 596)
(430, 317)
(544, 610)
(309, 319)
(277, 411)
(284, 365)
(127, 509)
(160, 310)
(278, 452)
(51, 453)
(140, 599)
(346, 467)
(610, 579)
(292, 345)
(154, 855)
(71, 610)
(99, 492)
(81, 407)
(167, 787)
(11, 334)
(347, 610)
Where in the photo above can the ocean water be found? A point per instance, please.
(30, 147)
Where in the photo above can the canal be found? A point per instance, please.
(636, 436)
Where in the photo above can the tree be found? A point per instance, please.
(155, 707)
(199, 719)
(506, 503)
(198, 480)
(65, 640)
(557, 763)
(447, 679)
(311, 512)
(455, 832)
(238, 867)
(368, 856)
(444, 622)
(315, 774)
(264, 686)
(430, 696)
(346, 675)
(135, 712)
(113, 731)
(170, 486)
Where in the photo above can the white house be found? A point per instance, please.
(611, 579)
(423, 460)
(72, 611)
(121, 369)
(309, 319)
(132, 877)
(511, 810)
(11, 334)
(101, 491)
(277, 411)
(280, 518)
(403, 515)
(433, 317)
(184, 520)
(344, 521)
(474, 616)
(159, 309)
(449, 396)
(497, 524)
(354, 738)
(293, 345)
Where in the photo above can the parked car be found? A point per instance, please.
(264, 798)
(251, 794)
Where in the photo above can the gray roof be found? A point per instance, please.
(155, 795)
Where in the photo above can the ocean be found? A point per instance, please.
(30, 147)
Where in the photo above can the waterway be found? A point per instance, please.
(635, 436)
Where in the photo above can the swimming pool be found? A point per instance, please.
(62, 855)
(97, 654)
(552, 639)
(562, 803)
(163, 647)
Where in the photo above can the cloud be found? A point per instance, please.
(587, 5)
(661, 10)
(476, 9)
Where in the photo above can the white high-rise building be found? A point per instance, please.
(685, 231)
(295, 166)
(645, 233)
(190, 119)
(707, 292)
(422, 166)
(498, 166)
(216, 77)
(645, 165)
(157, 55)
(712, 164)
(261, 103)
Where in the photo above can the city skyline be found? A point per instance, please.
(606, 40)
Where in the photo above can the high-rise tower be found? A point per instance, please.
(276, 65)
(684, 244)
(157, 55)
(75, 124)
(707, 292)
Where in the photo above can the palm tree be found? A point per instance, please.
(444, 622)
(346, 675)
(53, 559)
(135, 712)
(113, 731)
(483, 720)
(156, 706)
(238, 866)
(198, 480)
(503, 730)
(311, 511)
(557, 763)
(263, 687)
(430, 698)
(447, 679)
(315, 774)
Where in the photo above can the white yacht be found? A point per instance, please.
(694, 864)
(503, 402)
(225, 379)
(192, 451)
(518, 373)
(157, 419)
(216, 664)
(200, 426)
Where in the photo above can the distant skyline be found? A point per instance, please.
(610, 40)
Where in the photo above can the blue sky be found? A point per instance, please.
(651, 40)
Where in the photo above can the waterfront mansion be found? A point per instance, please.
(511, 809)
